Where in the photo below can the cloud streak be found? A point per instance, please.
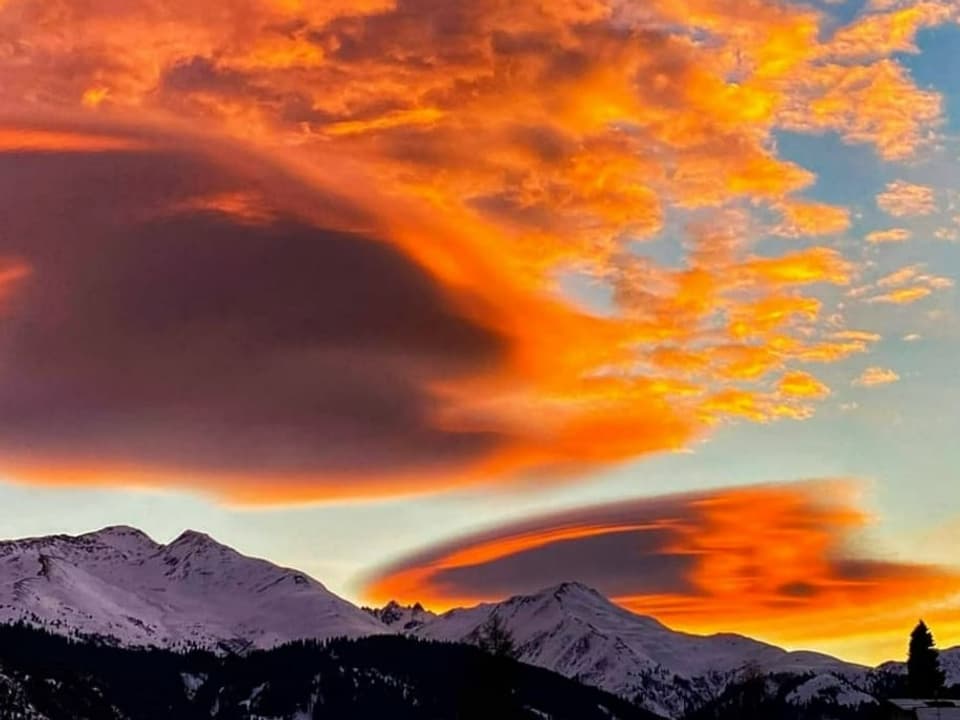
(874, 376)
(893, 235)
(904, 286)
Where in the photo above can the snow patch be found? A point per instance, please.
(831, 689)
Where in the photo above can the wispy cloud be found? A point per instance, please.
(873, 376)
(893, 235)
(901, 296)
(801, 384)
(904, 199)
(903, 286)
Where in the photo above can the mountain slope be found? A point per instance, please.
(575, 631)
(120, 585)
(395, 677)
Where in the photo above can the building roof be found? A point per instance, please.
(930, 709)
(938, 713)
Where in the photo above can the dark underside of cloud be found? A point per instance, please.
(622, 563)
(157, 330)
(622, 549)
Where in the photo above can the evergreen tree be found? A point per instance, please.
(494, 638)
(924, 676)
(491, 691)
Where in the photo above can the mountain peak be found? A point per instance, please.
(193, 537)
(570, 592)
(192, 550)
(573, 588)
(192, 541)
(121, 537)
(119, 531)
(404, 617)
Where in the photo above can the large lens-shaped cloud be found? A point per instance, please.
(165, 314)
(206, 317)
(781, 562)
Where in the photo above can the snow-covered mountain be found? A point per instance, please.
(577, 632)
(119, 584)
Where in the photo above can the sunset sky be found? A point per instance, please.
(446, 301)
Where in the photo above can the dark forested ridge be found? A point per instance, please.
(778, 697)
(809, 697)
(49, 677)
(43, 676)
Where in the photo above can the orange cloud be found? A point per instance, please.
(12, 273)
(805, 219)
(499, 146)
(803, 267)
(778, 562)
(905, 286)
(863, 103)
(771, 313)
(901, 276)
(903, 199)
(937, 282)
(902, 296)
(893, 235)
(93, 97)
(882, 33)
(873, 376)
(857, 336)
(245, 206)
(801, 384)
(29, 139)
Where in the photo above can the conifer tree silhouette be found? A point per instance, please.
(925, 678)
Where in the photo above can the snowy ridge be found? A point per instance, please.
(577, 632)
(120, 585)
